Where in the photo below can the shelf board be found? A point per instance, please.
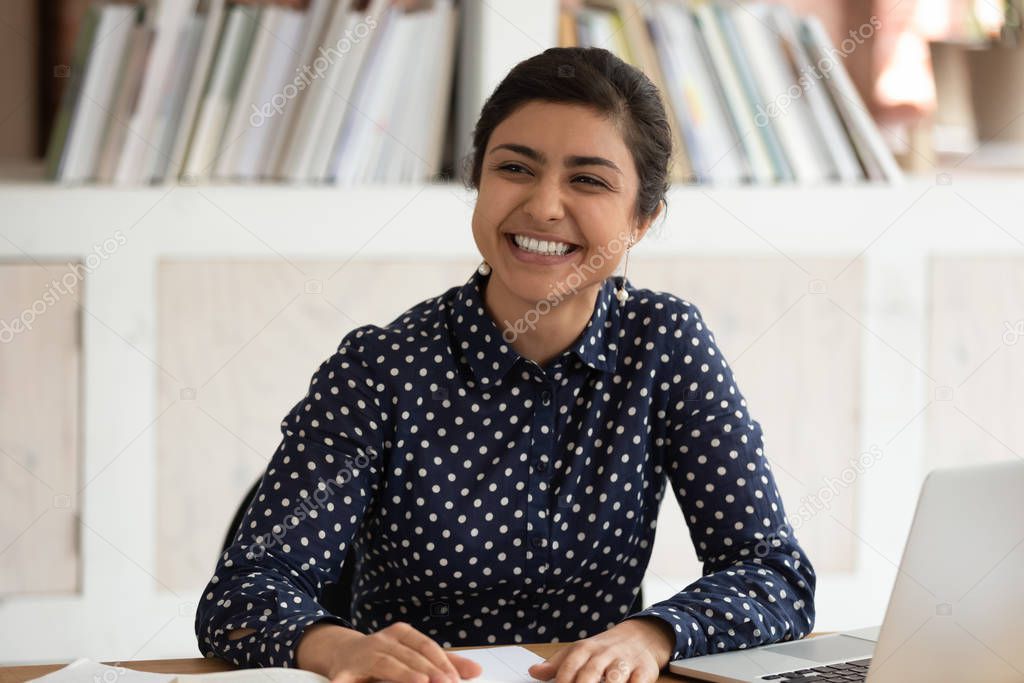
(961, 212)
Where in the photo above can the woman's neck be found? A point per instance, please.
(539, 332)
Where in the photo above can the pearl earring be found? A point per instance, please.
(484, 268)
(620, 293)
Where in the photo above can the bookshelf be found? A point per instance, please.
(337, 92)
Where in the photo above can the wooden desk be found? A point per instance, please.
(18, 674)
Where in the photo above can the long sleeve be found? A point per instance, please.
(297, 532)
(757, 585)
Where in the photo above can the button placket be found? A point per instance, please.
(543, 444)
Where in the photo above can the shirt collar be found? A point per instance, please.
(490, 356)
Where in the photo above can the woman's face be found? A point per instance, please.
(561, 174)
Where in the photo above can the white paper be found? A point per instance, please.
(85, 670)
(506, 664)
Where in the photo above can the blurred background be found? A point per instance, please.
(198, 199)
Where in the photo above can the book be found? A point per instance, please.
(777, 106)
(319, 98)
(274, 87)
(643, 56)
(357, 147)
(336, 103)
(413, 153)
(382, 138)
(834, 136)
(208, 141)
(164, 24)
(673, 95)
(738, 105)
(711, 141)
(286, 124)
(876, 157)
(55, 153)
(212, 13)
(740, 61)
(487, 52)
(129, 82)
(251, 68)
(264, 75)
(501, 664)
(157, 159)
(91, 112)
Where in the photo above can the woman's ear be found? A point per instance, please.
(645, 222)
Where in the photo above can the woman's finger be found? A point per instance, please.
(545, 670)
(467, 668)
(643, 674)
(390, 668)
(417, 661)
(576, 659)
(593, 670)
(429, 649)
(617, 672)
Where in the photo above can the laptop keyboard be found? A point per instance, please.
(846, 672)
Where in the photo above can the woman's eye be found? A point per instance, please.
(511, 167)
(590, 181)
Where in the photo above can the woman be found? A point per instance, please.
(493, 460)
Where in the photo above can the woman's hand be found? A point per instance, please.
(397, 653)
(633, 651)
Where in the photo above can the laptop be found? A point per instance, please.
(956, 612)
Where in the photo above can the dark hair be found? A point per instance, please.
(594, 77)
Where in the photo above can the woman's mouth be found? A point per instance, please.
(530, 250)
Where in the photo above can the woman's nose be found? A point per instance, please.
(545, 202)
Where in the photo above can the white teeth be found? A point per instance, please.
(542, 246)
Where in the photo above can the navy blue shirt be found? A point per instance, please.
(523, 499)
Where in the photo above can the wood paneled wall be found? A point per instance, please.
(39, 435)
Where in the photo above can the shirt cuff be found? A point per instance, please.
(273, 644)
(284, 636)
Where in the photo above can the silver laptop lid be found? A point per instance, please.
(957, 608)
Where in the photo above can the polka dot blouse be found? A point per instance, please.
(486, 499)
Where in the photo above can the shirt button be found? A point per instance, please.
(541, 466)
(545, 397)
(538, 542)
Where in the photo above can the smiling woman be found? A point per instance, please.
(493, 460)
(548, 218)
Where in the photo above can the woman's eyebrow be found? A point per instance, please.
(570, 162)
(591, 161)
